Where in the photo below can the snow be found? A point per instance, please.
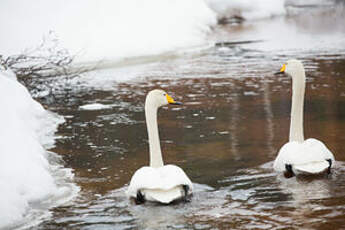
(105, 29)
(26, 175)
(8, 73)
(108, 30)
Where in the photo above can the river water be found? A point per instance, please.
(234, 119)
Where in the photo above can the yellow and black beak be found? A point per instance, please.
(171, 101)
(282, 70)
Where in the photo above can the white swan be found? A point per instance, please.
(158, 182)
(300, 156)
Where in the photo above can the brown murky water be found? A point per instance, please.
(234, 119)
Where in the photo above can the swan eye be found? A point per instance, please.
(164, 94)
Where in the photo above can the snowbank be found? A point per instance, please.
(110, 30)
(26, 175)
(106, 29)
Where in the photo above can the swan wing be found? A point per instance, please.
(163, 196)
(308, 157)
(311, 167)
(288, 154)
(163, 184)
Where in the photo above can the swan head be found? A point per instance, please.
(158, 98)
(292, 68)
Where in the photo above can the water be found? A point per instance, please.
(234, 119)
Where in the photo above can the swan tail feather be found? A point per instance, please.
(312, 167)
(164, 196)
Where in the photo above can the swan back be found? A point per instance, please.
(159, 184)
(311, 155)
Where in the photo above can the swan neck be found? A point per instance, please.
(156, 159)
(297, 106)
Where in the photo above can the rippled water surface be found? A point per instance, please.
(234, 119)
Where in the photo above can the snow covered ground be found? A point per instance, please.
(112, 30)
(31, 179)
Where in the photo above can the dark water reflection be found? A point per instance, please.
(234, 119)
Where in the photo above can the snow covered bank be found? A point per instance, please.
(105, 29)
(28, 176)
(112, 30)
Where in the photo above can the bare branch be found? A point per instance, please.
(47, 59)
